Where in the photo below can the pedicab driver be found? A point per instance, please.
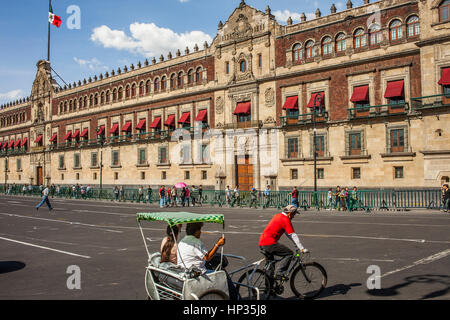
(268, 242)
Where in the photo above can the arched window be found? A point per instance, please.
(120, 94)
(173, 81)
(395, 30)
(80, 103)
(243, 66)
(114, 95)
(70, 105)
(108, 95)
(199, 75)
(127, 92)
(375, 34)
(102, 98)
(85, 103)
(341, 43)
(147, 87)
(327, 46)
(141, 89)
(156, 85)
(180, 80)
(133, 90)
(360, 38)
(444, 11)
(96, 99)
(310, 52)
(297, 53)
(74, 104)
(91, 100)
(190, 76)
(61, 107)
(413, 26)
(163, 83)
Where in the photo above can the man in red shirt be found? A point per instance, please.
(268, 242)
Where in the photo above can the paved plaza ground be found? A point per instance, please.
(411, 248)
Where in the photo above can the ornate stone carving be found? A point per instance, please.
(269, 120)
(269, 97)
(219, 105)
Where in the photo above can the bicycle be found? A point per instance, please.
(307, 280)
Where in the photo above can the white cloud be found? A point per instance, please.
(11, 96)
(147, 39)
(282, 16)
(183, 1)
(94, 64)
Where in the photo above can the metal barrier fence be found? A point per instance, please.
(366, 199)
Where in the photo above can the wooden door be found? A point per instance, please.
(40, 176)
(244, 173)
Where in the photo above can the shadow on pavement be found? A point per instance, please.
(11, 266)
(425, 279)
(338, 289)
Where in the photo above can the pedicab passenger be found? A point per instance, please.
(169, 245)
(193, 253)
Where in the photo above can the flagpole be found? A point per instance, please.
(48, 48)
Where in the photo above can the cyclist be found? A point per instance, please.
(268, 242)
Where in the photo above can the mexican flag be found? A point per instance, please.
(53, 18)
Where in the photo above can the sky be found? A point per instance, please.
(111, 34)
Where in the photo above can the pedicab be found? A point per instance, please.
(167, 281)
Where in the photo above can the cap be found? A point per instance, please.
(290, 209)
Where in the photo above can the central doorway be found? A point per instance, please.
(244, 172)
(39, 176)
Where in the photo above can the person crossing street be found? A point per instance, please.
(45, 193)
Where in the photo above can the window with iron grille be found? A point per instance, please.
(142, 156)
(115, 158)
(398, 172)
(162, 155)
(76, 160)
(94, 159)
(292, 148)
(61, 162)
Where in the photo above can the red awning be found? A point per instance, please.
(76, 134)
(141, 124)
(5, 145)
(54, 137)
(202, 115)
(185, 118)
(114, 128)
(24, 142)
(243, 108)
(360, 94)
(38, 139)
(127, 127)
(17, 143)
(395, 89)
(101, 131)
(85, 132)
(11, 144)
(291, 103)
(313, 100)
(170, 122)
(68, 135)
(156, 123)
(445, 79)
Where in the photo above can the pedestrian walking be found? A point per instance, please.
(200, 195)
(174, 196)
(58, 190)
(89, 191)
(236, 196)
(294, 195)
(446, 198)
(141, 194)
(337, 198)
(122, 193)
(188, 196)
(169, 196)
(228, 196)
(267, 197)
(354, 199)
(253, 197)
(45, 194)
(116, 193)
(83, 192)
(24, 190)
(193, 195)
(162, 197)
(342, 199)
(347, 199)
(329, 199)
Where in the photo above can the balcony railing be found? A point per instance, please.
(377, 111)
(301, 119)
(243, 125)
(431, 102)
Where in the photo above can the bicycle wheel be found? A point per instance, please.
(259, 280)
(308, 280)
(214, 295)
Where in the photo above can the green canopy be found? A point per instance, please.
(174, 218)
